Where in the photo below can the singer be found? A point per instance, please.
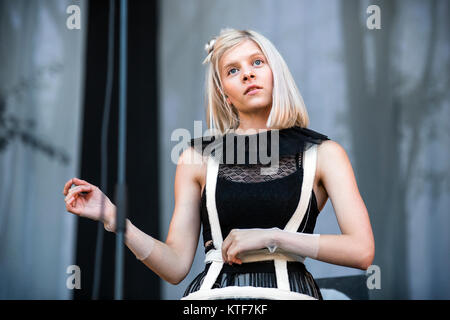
(258, 220)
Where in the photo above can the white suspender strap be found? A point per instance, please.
(309, 169)
(216, 233)
(281, 274)
(213, 216)
(211, 275)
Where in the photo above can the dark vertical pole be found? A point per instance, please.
(104, 147)
(142, 84)
(121, 190)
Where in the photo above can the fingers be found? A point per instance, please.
(71, 206)
(76, 190)
(232, 253)
(75, 181)
(230, 248)
(225, 245)
(73, 195)
(67, 186)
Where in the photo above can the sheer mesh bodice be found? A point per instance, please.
(251, 173)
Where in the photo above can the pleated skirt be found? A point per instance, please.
(259, 274)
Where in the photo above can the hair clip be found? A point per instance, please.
(210, 45)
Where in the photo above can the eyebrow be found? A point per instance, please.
(234, 62)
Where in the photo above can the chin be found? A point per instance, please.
(254, 108)
(259, 106)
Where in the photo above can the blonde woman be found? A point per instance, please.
(258, 217)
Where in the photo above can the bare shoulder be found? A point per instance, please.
(192, 164)
(331, 157)
(330, 148)
(338, 178)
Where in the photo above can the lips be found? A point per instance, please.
(252, 87)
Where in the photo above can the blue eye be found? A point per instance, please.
(229, 72)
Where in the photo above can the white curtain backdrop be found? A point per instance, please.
(41, 97)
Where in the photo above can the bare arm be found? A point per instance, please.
(355, 246)
(171, 259)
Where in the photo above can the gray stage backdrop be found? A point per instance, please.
(41, 77)
(382, 94)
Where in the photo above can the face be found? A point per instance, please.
(241, 67)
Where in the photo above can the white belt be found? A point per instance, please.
(255, 256)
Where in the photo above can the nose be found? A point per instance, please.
(247, 75)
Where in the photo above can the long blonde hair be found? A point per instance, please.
(288, 108)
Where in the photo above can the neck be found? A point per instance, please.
(253, 122)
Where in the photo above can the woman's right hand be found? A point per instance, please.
(85, 200)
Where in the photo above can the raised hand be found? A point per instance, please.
(85, 200)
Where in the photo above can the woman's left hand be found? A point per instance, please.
(240, 240)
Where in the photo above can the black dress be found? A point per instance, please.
(247, 199)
